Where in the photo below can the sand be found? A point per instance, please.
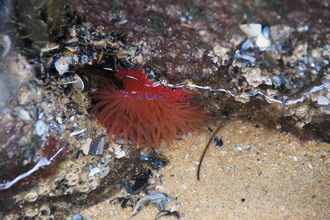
(256, 174)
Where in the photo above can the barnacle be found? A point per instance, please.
(104, 171)
(31, 196)
(44, 190)
(81, 162)
(104, 161)
(30, 212)
(84, 176)
(144, 112)
(74, 167)
(93, 185)
(72, 178)
(83, 188)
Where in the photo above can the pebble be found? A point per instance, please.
(238, 148)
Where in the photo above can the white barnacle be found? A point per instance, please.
(83, 188)
(104, 171)
(44, 190)
(31, 196)
(72, 178)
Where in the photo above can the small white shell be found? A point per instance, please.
(246, 45)
(77, 132)
(62, 64)
(24, 115)
(7, 45)
(252, 29)
(277, 81)
(86, 146)
(262, 43)
(266, 31)
(119, 152)
(322, 100)
(81, 84)
(50, 47)
(40, 127)
(250, 58)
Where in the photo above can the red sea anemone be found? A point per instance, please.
(144, 112)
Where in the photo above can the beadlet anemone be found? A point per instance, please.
(144, 112)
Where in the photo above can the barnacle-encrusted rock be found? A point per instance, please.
(38, 168)
(46, 165)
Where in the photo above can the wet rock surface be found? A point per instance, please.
(55, 158)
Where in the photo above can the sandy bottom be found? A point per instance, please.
(256, 174)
